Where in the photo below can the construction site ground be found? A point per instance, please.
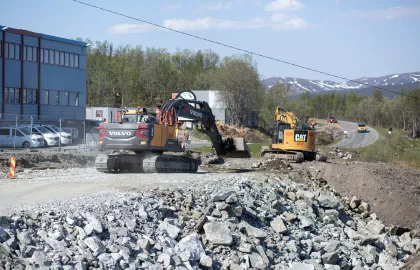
(392, 191)
(49, 178)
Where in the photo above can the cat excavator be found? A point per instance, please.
(292, 140)
(142, 139)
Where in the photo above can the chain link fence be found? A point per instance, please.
(27, 131)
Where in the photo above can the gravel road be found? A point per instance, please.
(43, 186)
(354, 139)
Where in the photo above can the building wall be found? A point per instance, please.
(212, 98)
(215, 100)
(63, 81)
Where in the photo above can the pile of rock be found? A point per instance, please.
(336, 152)
(326, 134)
(238, 223)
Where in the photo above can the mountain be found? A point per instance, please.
(407, 81)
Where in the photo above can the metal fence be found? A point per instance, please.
(82, 132)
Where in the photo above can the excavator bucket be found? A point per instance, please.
(241, 149)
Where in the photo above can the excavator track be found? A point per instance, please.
(101, 163)
(155, 163)
(290, 156)
(146, 163)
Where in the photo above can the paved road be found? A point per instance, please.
(354, 139)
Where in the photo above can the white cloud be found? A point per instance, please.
(124, 29)
(218, 5)
(285, 22)
(276, 22)
(283, 5)
(212, 23)
(171, 7)
(388, 14)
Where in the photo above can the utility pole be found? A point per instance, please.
(59, 138)
(14, 142)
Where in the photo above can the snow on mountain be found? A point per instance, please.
(299, 85)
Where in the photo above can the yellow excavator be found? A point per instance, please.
(292, 140)
(153, 142)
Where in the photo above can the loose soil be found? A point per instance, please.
(393, 192)
(45, 159)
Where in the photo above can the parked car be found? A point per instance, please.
(331, 119)
(87, 126)
(23, 138)
(65, 137)
(73, 131)
(50, 138)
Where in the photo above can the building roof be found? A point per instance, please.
(44, 36)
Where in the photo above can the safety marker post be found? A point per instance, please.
(12, 167)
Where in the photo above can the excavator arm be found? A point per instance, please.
(200, 111)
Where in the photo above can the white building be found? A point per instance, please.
(99, 113)
(212, 97)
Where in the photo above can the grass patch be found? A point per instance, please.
(400, 150)
(255, 149)
(198, 134)
(337, 140)
(202, 150)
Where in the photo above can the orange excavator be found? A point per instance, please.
(150, 136)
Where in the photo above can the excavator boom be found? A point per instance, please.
(200, 111)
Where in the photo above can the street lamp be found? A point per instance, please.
(4, 28)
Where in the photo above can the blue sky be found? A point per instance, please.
(350, 38)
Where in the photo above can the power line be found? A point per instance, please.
(236, 48)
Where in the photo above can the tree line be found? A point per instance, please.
(402, 111)
(135, 76)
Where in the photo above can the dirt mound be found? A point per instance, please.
(206, 159)
(250, 135)
(326, 134)
(44, 159)
(392, 191)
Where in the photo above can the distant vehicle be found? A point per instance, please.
(331, 119)
(23, 138)
(311, 121)
(88, 125)
(65, 137)
(361, 128)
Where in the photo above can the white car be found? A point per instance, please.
(73, 131)
(50, 138)
(65, 137)
(23, 138)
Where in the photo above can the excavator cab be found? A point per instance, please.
(279, 132)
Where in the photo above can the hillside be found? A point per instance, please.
(395, 82)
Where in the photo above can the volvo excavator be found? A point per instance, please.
(141, 139)
(293, 140)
